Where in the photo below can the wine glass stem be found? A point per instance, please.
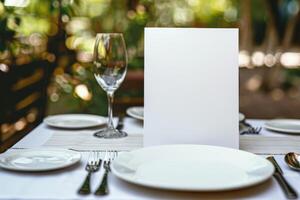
(110, 98)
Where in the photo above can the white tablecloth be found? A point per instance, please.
(266, 142)
(63, 184)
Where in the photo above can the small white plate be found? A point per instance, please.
(73, 121)
(192, 168)
(36, 160)
(241, 117)
(136, 112)
(284, 125)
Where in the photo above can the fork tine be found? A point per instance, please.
(98, 156)
(115, 154)
(89, 158)
(102, 155)
(112, 155)
(256, 130)
(109, 156)
(259, 129)
(105, 156)
(94, 158)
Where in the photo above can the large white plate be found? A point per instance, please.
(38, 159)
(136, 112)
(73, 121)
(192, 168)
(284, 125)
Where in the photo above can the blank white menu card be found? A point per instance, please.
(191, 86)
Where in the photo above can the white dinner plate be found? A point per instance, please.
(73, 121)
(284, 125)
(192, 168)
(136, 112)
(35, 160)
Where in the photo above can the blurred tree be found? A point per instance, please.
(63, 32)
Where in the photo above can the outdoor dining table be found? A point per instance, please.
(64, 183)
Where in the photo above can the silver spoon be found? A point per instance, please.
(292, 160)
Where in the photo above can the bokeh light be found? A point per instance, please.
(83, 92)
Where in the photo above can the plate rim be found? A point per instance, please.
(172, 188)
(96, 117)
(12, 153)
(242, 117)
(268, 125)
(128, 112)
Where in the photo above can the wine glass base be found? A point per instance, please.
(108, 133)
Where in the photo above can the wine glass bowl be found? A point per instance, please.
(110, 60)
(110, 67)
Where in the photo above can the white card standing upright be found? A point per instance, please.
(191, 86)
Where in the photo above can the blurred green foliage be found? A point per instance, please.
(63, 31)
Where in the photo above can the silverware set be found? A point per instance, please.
(292, 161)
(104, 159)
(251, 131)
(93, 165)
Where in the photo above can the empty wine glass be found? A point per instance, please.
(110, 67)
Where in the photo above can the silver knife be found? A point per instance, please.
(289, 192)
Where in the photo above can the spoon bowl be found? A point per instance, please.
(292, 159)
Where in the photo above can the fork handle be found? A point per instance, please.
(85, 188)
(103, 187)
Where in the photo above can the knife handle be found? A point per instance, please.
(289, 192)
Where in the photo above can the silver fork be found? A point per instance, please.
(251, 130)
(103, 187)
(93, 165)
